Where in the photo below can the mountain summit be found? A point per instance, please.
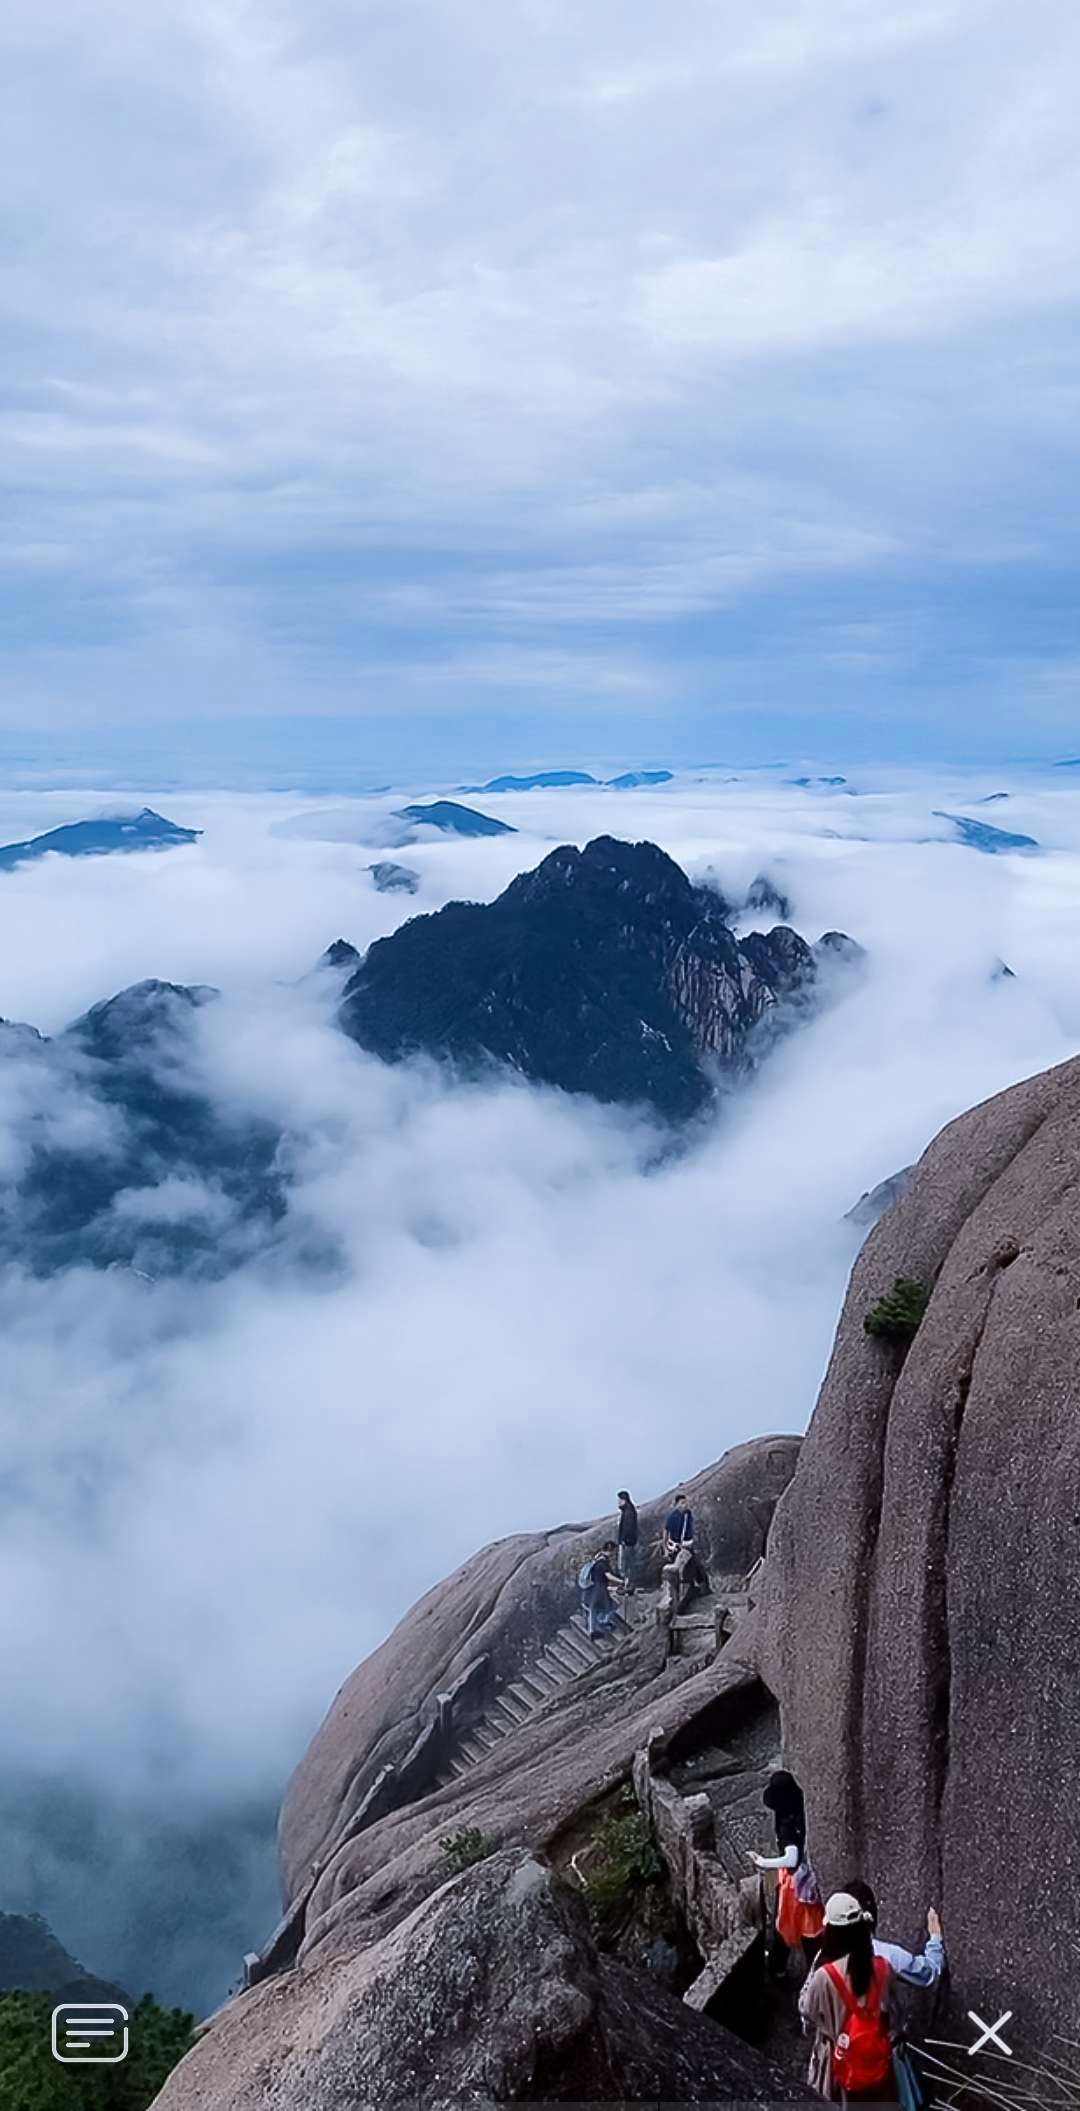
(94, 839)
(603, 971)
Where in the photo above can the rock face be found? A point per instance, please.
(94, 839)
(603, 971)
(491, 1992)
(922, 1616)
(379, 1932)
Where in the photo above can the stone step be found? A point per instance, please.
(578, 1646)
(523, 1695)
(602, 1643)
(510, 1713)
(466, 1748)
(487, 1733)
(562, 1654)
(547, 1666)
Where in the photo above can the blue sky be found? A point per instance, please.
(539, 384)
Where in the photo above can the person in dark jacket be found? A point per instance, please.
(628, 1537)
(679, 1525)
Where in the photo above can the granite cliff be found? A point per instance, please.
(911, 1647)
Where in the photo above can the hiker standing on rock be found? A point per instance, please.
(628, 1542)
(595, 1581)
(678, 1527)
(798, 1918)
(849, 2005)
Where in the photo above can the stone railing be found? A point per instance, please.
(723, 1908)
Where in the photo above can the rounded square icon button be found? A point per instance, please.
(89, 2033)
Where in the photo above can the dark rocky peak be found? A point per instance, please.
(121, 1026)
(763, 896)
(606, 868)
(391, 878)
(838, 947)
(132, 1062)
(16, 1038)
(340, 955)
(780, 956)
(604, 971)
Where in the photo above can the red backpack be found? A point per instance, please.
(862, 2055)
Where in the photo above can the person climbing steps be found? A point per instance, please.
(848, 2005)
(798, 1918)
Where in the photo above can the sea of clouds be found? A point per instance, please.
(218, 1497)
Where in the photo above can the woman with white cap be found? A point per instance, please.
(848, 2004)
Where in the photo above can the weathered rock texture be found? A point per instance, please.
(504, 1603)
(921, 1623)
(528, 1792)
(491, 1992)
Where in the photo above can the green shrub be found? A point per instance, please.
(625, 1857)
(31, 2080)
(898, 1315)
(464, 1848)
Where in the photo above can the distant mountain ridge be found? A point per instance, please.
(32, 1961)
(154, 1175)
(981, 835)
(456, 820)
(603, 971)
(102, 838)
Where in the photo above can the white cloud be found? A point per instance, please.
(239, 1486)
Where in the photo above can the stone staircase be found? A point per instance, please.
(570, 1654)
(701, 1632)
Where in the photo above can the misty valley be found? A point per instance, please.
(370, 1213)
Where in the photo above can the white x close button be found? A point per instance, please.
(990, 2033)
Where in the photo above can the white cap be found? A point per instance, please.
(843, 1911)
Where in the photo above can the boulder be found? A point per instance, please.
(491, 1992)
(921, 1617)
(504, 1604)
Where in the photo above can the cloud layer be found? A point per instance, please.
(487, 1307)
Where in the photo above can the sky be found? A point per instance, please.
(526, 1302)
(440, 387)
